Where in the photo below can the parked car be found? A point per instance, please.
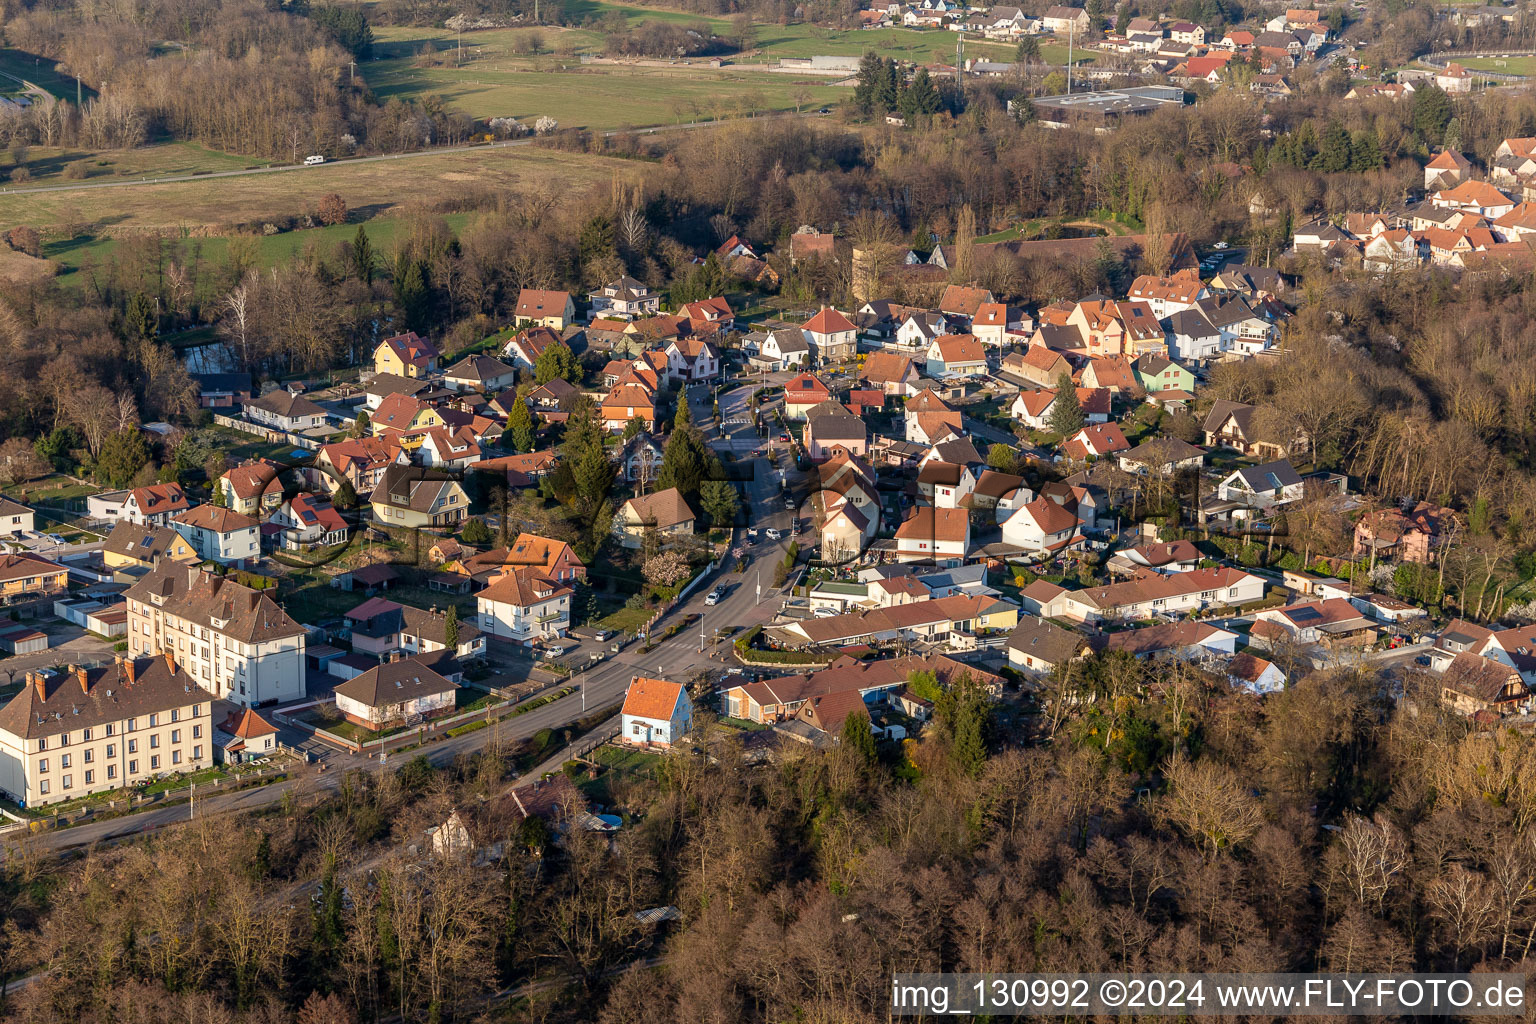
(774, 534)
(825, 613)
(315, 159)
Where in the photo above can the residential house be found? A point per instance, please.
(1252, 673)
(830, 425)
(946, 484)
(1162, 557)
(405, 355)
(1174, 641)
(1148, 596)
(1169, 295)
(711, 314)
(960, 303)
(552, 558)
(802, 394)
(690, 359)
(91, 730)
(1158, 373)
(1033, 408)
(1036, 366)
(956, 355)
(1262, 488)
(628, 402)
(413, 497)
(780, 698)
(23, 577)
(843, 529)
(401, 691)
(1042, 527)
(310, 521)
(956, 620)
(1473, 685)
(1447, 170)
(1236, 425)
(234, 641)
(666, 512)
(1242, 329)
(253, 488)
(132, 545)
(1095, 441)
(222, 390)
(1000, 326)
(1413, 533)
(1109, 328)
(525, 347)
(640, 459)
(890, 373)
(784, 348)
(15, 518)
(1477, 197)
(809, 242)
(359, 461)
(219, 535)
(832, 336)
(626, 298)
(524, 606)
(1330, 622)
(442, 448)
(243, 737)
(929, 419)
(656, 712)
(480, 373)
(1115, 374)
(939, 535)
(155, 505)
(1063, 21)
(1191, 337)
(1037, 647)
(1454, 78)
(1165, 455)
(283, 410)
(547, 308)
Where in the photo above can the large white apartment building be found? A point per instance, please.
(236, 642)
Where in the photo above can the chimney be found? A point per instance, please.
(85, 684)
(170, 660)
(130, 669)
(41, 682)
(394, 656)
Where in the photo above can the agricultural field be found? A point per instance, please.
(46, 164)
(377, 186)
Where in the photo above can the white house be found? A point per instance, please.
(689, 359)
(938, 535)
(525, 606)
(1042, 527)
(283, 410)
(781, 349)
(1262, 487)
(220, 534)
(14, 518)
(400, 691)
(656, 712)
(154, 505)
(308, 522)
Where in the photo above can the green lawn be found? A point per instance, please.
(50, 490)
(1505, 65)
(271, 250)
(625, 759)
(40, 71)
(46, 164)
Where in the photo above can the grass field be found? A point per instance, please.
(198, 207)
(1506, 65)
(46, 164)
(40, 71)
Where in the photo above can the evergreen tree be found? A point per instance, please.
(557, 360)
(963, 713)
(921, 98)
(1066, 412)
(887, 87)
(122, 455)
(1122, 19)
(1365, 151)
(363, 425)
(592, 472)
(720, 502)
(412, 293)
(684, 462)
(683, 419)
(1028, 51)
(141, 320)
(361, 256)
(870, 74)
(451, 629)
(520, 426)
(475, 531)
(1335, 153)
(858, 737)
(345, 496)
(596, 242)
(1431, 113)
(633, 427)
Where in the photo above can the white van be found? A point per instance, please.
(316, 159)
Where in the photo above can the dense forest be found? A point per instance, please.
(1154, 824)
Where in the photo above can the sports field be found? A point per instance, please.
(1505, 65)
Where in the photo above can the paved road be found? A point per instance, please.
(416, 155)
(599, 687)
